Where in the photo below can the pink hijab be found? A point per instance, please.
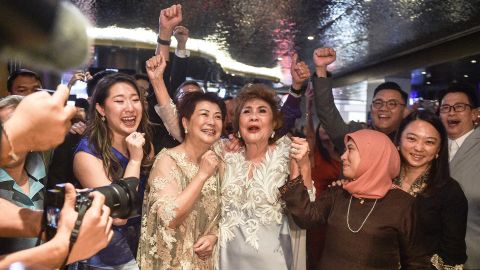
(379, 164)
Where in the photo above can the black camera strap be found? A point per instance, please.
(82, 209)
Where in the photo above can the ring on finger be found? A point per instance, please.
(134, 135)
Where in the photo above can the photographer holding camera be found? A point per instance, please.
(39, 123)
(95, 232)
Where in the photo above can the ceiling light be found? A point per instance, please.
(233, 75)
(424, 72)
(429, 83)
(466, 76)
(310, 38)
(473, 61)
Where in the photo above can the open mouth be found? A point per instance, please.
(453, 123)
(253, 129)
(209, 131)
(383, 116)
(129, 121)
(416, 157)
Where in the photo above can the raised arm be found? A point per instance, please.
(291, 108)
(168, 19)
(327, 112)
(307, 214)
(178, 72)
(167, 111)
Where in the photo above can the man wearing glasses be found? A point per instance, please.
(458, 111)
(388, 108)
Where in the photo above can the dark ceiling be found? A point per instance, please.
(255, 32)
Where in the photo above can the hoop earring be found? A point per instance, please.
(273, 134)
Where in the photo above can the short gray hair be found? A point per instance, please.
(8, 101)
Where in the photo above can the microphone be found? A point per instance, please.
(47, 34)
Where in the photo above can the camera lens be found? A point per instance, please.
(122, 198)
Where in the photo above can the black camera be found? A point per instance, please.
(121, 196)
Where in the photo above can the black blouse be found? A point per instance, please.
(442, 222)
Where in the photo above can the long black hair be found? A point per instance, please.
(99, 133)
(439, 168)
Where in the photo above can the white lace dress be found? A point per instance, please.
(254, 230)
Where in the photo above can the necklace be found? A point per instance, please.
(418, 186)
(363, 223)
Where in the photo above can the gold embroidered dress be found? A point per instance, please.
(162, 247)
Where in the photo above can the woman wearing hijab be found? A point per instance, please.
(369, 222)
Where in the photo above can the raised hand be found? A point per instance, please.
(135, 142)
(322, 57)
(299, 71)
(181, 34)
(299, 151)
(155, 67)
(208, 164)
(169, 18)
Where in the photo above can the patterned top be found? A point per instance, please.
(252, 199)
(418, 186)
(162, 247)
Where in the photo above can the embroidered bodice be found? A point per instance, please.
(250, 195)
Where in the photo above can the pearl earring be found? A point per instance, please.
(186, 130)
(273, 134)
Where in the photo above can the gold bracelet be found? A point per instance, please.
(11, 154)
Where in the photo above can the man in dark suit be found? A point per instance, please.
(388, 108)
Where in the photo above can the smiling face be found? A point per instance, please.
(256, 121)
(457, 123)
(205, 124)
(350, 160)
(419, 144)
(386, 119)
(122, 109)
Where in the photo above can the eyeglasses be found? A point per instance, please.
(391, 104)
(459, 107)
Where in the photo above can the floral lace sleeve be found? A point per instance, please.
(158, 241)
(168, 114)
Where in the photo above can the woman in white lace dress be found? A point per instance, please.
(181, 206)
(254, 229)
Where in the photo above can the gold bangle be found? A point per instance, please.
(11, 154)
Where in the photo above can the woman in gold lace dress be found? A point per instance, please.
(180, 210)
